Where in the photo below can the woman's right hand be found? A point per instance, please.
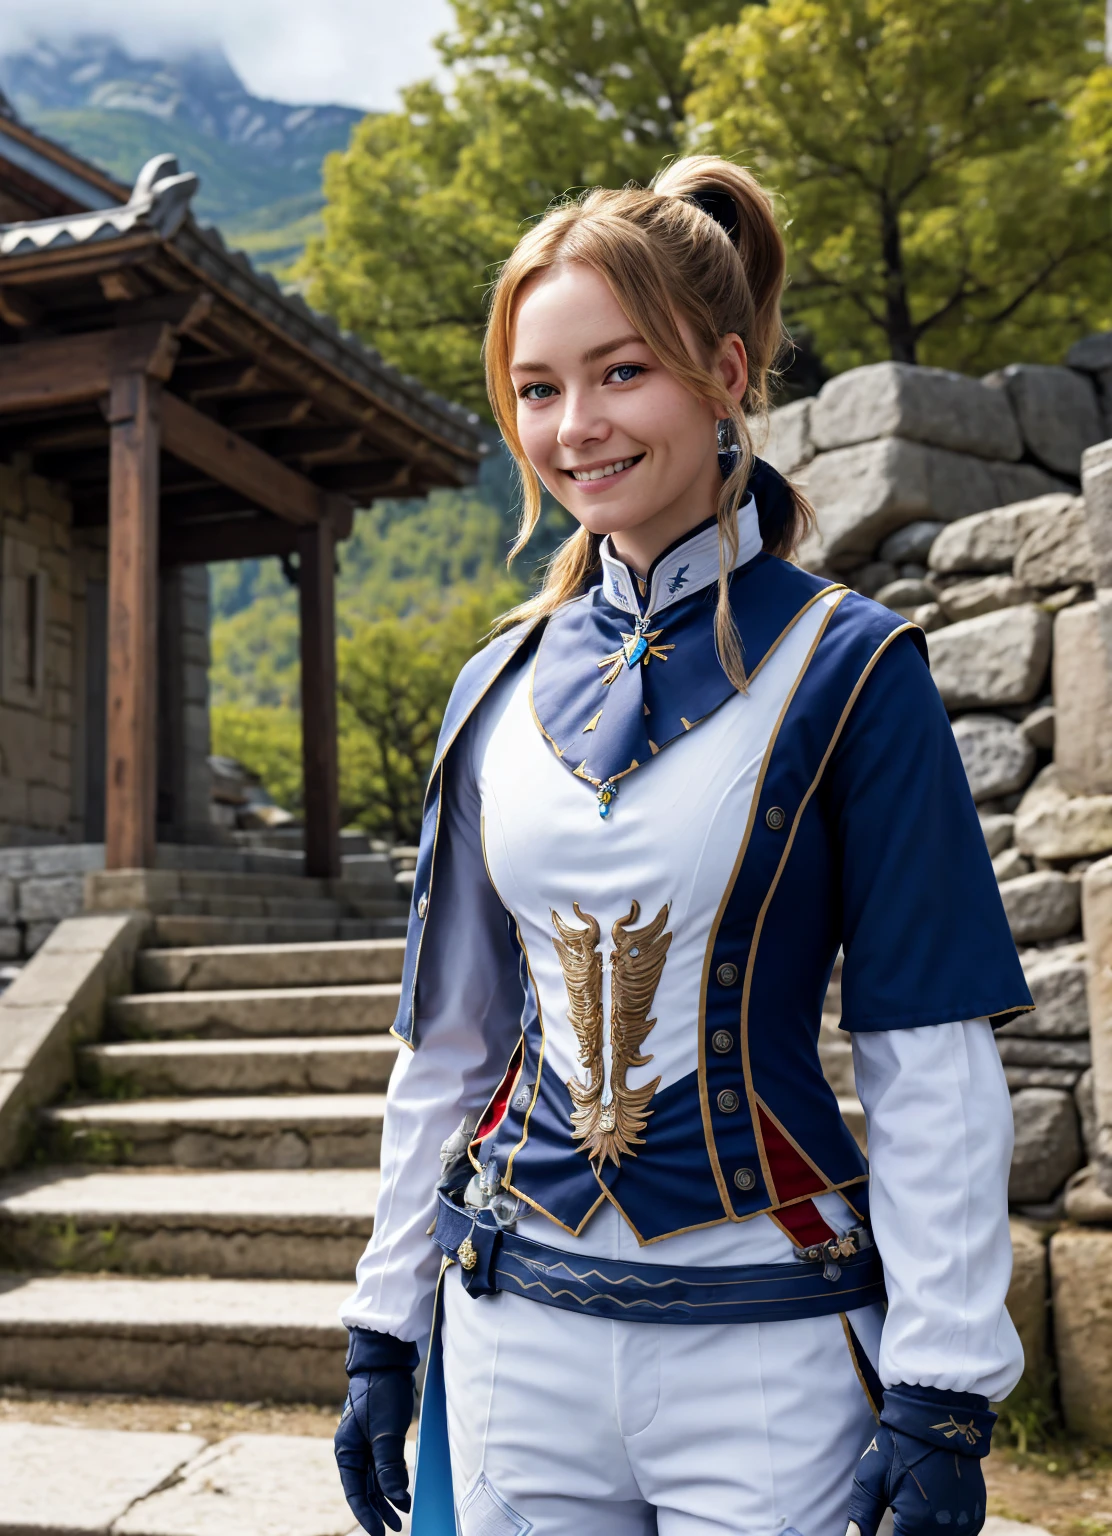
(370, 1437)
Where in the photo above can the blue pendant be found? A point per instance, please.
(606, 793)
(635, 650)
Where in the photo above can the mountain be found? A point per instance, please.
(259, 161)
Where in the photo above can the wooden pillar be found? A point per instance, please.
(131, 769)
(319, 751)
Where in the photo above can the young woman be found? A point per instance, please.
(662, 800)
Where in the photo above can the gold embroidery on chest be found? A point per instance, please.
(608, 1130)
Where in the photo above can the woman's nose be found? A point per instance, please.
(581, 423)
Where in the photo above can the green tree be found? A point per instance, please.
(395, 676)
(548, 96)
(944, 165)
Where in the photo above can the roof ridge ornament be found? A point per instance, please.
(159, 202)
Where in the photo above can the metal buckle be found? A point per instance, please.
(851, 1243)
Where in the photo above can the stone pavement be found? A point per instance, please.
(110, 1482)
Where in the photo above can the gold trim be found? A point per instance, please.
(541, 1211)
(591, 723)
(438, 771)
(643, 1301)
(851, 1340)
(790, 1139)
(704, 1102)
(789, 843)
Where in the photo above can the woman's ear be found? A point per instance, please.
(733, 366)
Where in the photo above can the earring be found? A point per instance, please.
(728, 450)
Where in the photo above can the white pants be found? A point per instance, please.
(565, 1425)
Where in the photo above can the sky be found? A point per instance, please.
(357, 52)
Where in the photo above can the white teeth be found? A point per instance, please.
(600, 474)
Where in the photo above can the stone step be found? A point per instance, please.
(303, 1224)
(339, 1130)
(211, 968)
(232, 1340)
(218, 883)
(175, 932)
(161, 1068)
(285, 908)
(258, 1011)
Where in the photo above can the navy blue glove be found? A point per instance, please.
(924, 1462)
(370, 1438)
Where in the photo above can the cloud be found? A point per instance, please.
(354, 51)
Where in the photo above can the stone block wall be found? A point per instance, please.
(958, 503)
(36, 659)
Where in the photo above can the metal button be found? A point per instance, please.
(727, 974)
(722, 1041)
(423, 905)
(775, 818)
(728, 1101)
(745, 1178)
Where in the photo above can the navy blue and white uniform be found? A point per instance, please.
(629, 1004)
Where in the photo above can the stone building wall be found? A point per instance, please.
(957, 502)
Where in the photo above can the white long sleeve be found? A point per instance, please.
(470, 1019)
(939, 1124)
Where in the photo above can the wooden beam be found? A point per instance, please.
(316, 592)
(212, 378)
(233, 461)
(372, 477)
(64, 370)
(127, 283)
(19, 309)
(317, 445)
(231, 538)
(269, 411)
(131, 778)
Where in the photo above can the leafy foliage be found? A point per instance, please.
(548, 97)
(945, 166)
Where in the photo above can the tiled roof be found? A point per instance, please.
(159, 203)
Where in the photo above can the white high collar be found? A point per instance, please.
(690, 566)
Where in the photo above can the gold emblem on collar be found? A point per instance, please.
(629, 654)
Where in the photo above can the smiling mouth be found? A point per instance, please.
(604, 471)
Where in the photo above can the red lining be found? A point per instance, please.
(794, 1178)
(495, 1111)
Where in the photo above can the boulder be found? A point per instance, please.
(787, 443)
(998, 831)
(1096, 889)
(1047, 1144)
(1058, 979)
(929, 617)
(905, 596)
(870, 578)
(989, 541)
(1096, 485)
(1028, 1296)
(1082, 702)
(1052, 824)
(1057, 410)
(982, 594)
(912, 542)
(865, 492)
(1038, 727)
(1092, 354)
(1058, 552)
(997, 757)
(1044, 905)
(1080, 1263)
(928, 405)
(1087, 1113)
(993, 660)
(1009, 865)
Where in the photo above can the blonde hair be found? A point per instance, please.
(666, 261)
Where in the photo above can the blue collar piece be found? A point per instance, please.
(614, 682)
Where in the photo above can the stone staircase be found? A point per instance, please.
(194, 1213)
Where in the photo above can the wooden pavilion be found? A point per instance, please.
(186, 405)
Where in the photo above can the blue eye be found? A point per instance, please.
(527, 392)
(625, 372)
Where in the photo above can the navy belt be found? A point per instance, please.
(492, 1259)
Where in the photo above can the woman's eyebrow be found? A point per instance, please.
(592, 355)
